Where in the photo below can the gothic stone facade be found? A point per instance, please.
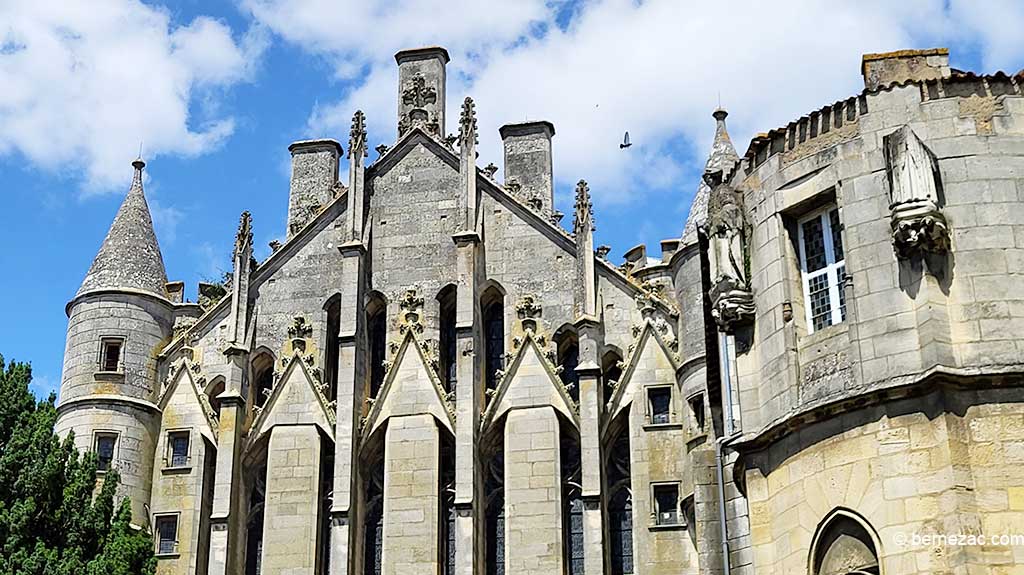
(432, 375)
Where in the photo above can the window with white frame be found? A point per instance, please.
(822, 267)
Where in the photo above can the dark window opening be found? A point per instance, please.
(494, 521)
(659, 402)
(620, 531)
(263, 375)
(111, 356)
(494, 337)
(697, 412)
(376, 327)
(105, 443)
(620, 506)
(254, 525)
(447, 516)
(568, 360)
(447, 338)
(167, 534)
(666, 504)
(612, 372)
(178, 447)
(373, 522)
(331, 353)
(572, 515)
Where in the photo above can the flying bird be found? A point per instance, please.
(625, 142)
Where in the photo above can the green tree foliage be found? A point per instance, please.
(53, 519)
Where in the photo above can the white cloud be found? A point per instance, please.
(654, 68)
(86, 82)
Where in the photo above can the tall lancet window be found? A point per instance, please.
(572, 515)
(493, 306)
(331, 352)
(254, 524)
(446, 337)
(447, 526)
(263, 376)
(620, 507)
(376, 331)
(373, 520)
(568, 360)
(494, 535)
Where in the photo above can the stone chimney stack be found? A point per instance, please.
(421, 89)
(528, 162)
(314, 180)
(904, 65)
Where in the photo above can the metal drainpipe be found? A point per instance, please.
(730, 432)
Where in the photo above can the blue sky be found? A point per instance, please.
(216, 91)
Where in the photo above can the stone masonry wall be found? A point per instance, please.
(411, 486)
(292, 501)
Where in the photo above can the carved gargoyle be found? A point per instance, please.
(727, 230)
(918, 225)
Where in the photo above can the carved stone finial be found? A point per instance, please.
(417, 93)
(300, 329)
(467, 123)
(490, 169)
(243, 238)
(357, 135)
(411, 314)
(583, 219)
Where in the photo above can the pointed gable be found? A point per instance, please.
(651, 362)
(130, 256)
(183, 403)
(410, 388)
(295, 400)
(530, 381)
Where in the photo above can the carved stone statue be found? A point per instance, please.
(727, 231)
(917, 223)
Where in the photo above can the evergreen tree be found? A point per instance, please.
(53, 520)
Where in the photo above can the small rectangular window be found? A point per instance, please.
(177, 447)
(110, 356)
(822, 268)
(666, 504)
(659, 402)
(166, 534)
(697, 412)
(105, 443)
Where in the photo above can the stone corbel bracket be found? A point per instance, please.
(918, 225)
(732, 304)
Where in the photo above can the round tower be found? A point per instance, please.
(117, 323)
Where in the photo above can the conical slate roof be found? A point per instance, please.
(723, 157)
(130, 255)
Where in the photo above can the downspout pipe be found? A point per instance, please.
(730, 433)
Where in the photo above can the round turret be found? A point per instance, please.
(117, 324)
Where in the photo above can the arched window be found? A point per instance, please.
(376, 330)
(446, 337)
(844, 545)
(494, 528)
(263, 378)
(333, 309)
(568, 360)
(447, 496)
(611, 371)
(492, 305)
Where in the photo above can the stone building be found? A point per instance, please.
(433, 375)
